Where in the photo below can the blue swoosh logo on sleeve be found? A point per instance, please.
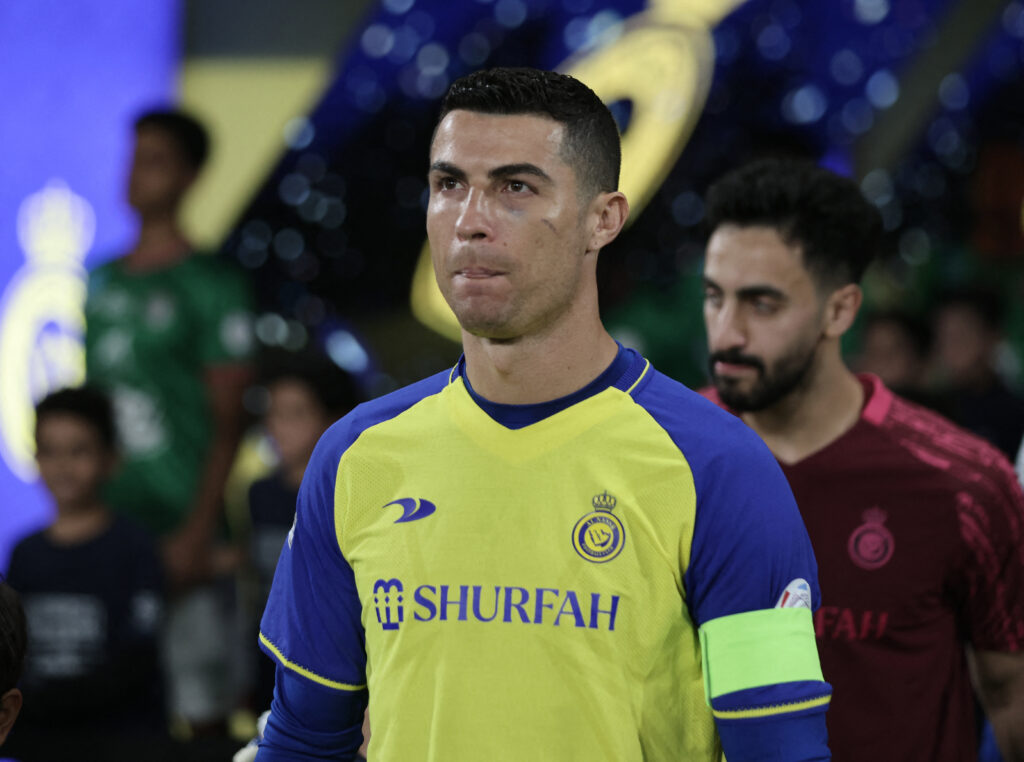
(413, 509)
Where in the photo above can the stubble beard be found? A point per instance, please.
(519, 313)
(789, 374)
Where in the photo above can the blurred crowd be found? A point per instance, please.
(143, 597)
(952, 360)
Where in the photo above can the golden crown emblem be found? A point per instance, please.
(604, 501)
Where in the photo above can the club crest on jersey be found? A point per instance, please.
(387, 600)
(871, 545)
(599, 535)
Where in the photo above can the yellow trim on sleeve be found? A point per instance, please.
(769, 711)
(643, 373)
(305, 672)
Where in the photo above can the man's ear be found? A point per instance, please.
(611, 211)
(10, 705)
(841, 309)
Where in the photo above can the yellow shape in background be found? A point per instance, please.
(42, 315)
(245, 103)
(662, 61)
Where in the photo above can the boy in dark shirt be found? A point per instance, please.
(93, 597)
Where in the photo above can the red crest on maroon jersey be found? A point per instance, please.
(871, 545)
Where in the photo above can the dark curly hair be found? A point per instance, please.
(827, 216)
(590, 145)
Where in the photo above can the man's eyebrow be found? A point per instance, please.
(498, 173)
(755, 292)
(447, 169)
(525, 168)
(749, 292)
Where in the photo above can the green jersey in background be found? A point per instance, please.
(150, 337)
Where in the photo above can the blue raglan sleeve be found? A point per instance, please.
(752, 583)
(751, 586)
(312, 628)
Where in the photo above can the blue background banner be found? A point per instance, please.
(72, 75)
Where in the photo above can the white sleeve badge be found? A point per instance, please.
(797, 595)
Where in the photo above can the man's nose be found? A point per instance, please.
(474, 219)
(726, 329)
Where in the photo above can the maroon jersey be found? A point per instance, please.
(918, 529)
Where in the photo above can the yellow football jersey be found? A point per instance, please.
(527, 582)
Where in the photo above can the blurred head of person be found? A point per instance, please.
(305, 395)
(789, 244)
(13, 640)
(170, 150)
(76, 446)
(967, 328)
(895, 347)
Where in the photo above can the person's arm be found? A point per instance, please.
(186, 552)
(765, 687)
(990, 584)
(751, 586)
(1000, 686)
(312, 722)
(312, 628)
(221, 311)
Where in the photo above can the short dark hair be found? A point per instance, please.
(333, 388)
(184, 129)
(838, 230)
(916, 330)
(13, 637)
(590, 144)
(84, 402)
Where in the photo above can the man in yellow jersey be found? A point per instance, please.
(550, 551)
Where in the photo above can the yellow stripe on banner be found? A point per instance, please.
(770, 711)
(305, 672)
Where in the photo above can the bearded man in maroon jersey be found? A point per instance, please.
(917, 525)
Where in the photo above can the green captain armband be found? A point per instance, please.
(758, 648)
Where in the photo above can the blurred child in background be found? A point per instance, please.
(305, 395)
(968, 324)
(93, 597)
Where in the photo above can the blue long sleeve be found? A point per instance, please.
(311, 722)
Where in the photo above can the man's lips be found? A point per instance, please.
(478, 273)
(723, 368)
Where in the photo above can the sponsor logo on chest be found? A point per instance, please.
(844, 623)
(597, 537)
(499, 604)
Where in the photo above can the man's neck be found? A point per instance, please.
(161, 243)
(811, 418)
(536, 369)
